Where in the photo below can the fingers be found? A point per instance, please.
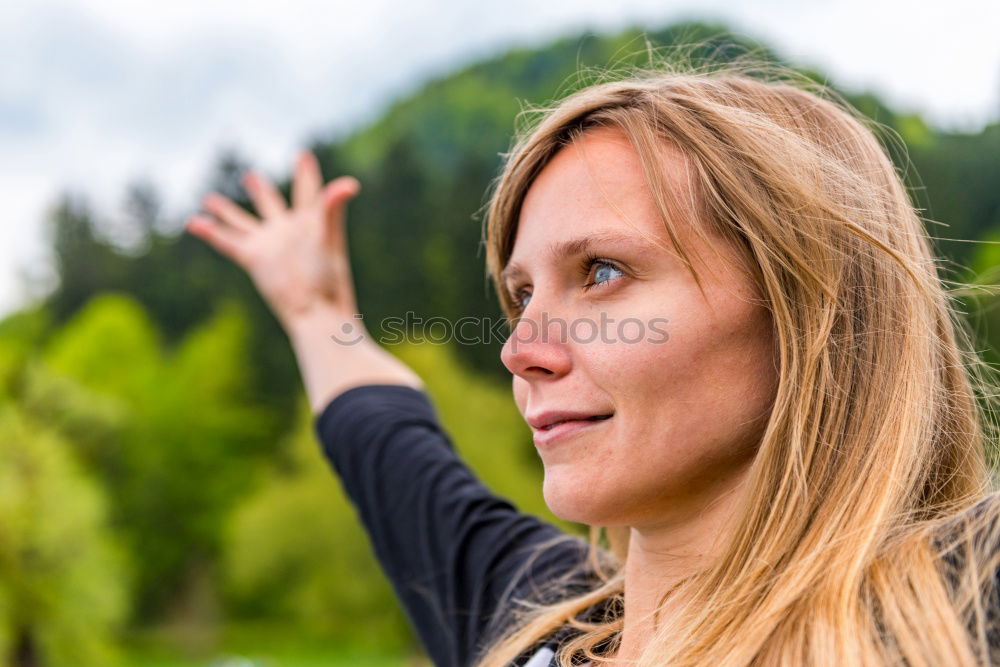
(308, 182)
(224, 209)
(224, 239)
(265, 197)
(335, 197)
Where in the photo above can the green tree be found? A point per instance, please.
(63, 578)
(187, 438)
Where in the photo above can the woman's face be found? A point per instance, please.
(664, 392)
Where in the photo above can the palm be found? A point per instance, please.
(296, 256)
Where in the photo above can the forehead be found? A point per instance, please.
(596, 186)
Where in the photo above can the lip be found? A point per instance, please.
(549, 427)
(542, 419)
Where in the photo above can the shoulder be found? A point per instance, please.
(969, 541)
(969, 548)
(979, 523)
(561, 571)
(551, 571)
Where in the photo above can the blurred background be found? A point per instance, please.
(163, 500)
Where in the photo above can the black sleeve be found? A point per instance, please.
(455, 553)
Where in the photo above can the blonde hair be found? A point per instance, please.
(855, 545)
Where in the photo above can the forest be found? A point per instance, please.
(163, 499)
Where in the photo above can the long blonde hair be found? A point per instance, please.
(856, 544)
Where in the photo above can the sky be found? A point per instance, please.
(97, 94)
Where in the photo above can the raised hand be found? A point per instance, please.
(296, 256)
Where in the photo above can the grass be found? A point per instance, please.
(254, 646)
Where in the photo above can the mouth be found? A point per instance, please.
(594, 418)
(555, 426)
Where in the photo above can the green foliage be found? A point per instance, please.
(958, 176)
(111, 327)
(296, 551)
(20, 335)
(63, 580)
(263, 644)
(184, 438)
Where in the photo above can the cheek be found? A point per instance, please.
(520, 390)
(637, 358)
(689, 385)
(688, 406)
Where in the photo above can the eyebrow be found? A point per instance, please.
(560, 250)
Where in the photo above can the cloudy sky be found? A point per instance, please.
(95, 94)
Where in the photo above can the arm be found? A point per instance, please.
(457, 555)
(329, 368)
(454, 552)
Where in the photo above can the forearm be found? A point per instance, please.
(335, 352)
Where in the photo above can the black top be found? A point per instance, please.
(458, 556)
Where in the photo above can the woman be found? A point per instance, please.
(778, 433)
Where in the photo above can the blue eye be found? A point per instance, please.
(519, 297)
(605, 272)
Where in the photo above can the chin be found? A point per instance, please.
(578, 501)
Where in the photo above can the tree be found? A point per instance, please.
(188, 440)
(63, 577)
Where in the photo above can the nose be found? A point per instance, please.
(537, 348)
